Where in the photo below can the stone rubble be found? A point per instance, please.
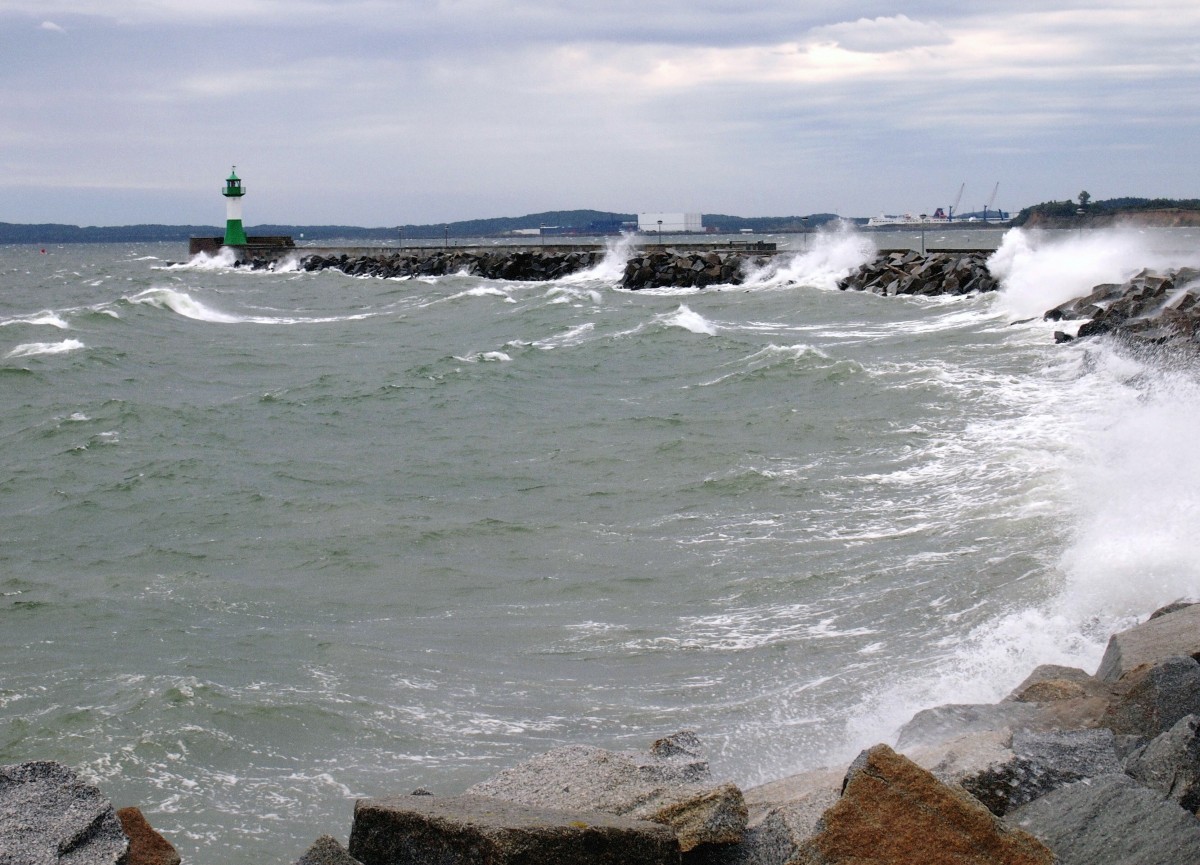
(518, 266)
(480, 830)
(927, 274)
(1150, 308)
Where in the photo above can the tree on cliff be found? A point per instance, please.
(1084, 198)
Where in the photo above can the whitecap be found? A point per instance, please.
(688, 320)
(187, 306)
(33, 349)
(484, 357)
(47, 317)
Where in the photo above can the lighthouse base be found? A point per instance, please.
(253, 248)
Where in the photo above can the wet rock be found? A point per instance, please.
(1041, 762)
(48, 816)
(893, 811)
(669, 785)
(1170, 764)
(146, 846)
(928, 274)
(514, 265)
(945, 723)
(327, 850)
(477, 830)
(1153, 699)
(1151, 308)
(1110, 820)
(1051, 683)
(964, 756)
(1176, 632)
(783, 816)
(667, 268)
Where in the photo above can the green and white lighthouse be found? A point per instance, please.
(235, 234)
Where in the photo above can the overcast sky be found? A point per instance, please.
(381, 112)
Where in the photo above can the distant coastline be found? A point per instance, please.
(1158, 213)
(1172, 217)
(1146, 212)
(564, 223)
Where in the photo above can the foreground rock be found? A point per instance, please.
(146, 846)
(893, 811)
(669, 785)
(327, 850)
(926, 274)
(476, 830)
(1150, 308)
(1111, 821)
(1174, 630)
(1171, 764)
(48, 815)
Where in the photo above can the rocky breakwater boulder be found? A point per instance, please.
(478, 830)
(1102, 769)
(926, 274)
(516, 265)
(49, 816)
(667, 268)
(1149, 308)
(670, 785)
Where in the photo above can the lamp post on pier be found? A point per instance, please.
(660, 232)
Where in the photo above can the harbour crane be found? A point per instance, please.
(954, 206)
(991, 200)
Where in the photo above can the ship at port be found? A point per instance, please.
(943, 217)
(938, 218)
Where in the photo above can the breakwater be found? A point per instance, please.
(891, 272)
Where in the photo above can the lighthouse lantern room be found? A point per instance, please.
(235, 234)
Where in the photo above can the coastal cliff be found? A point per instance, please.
(1167, 217)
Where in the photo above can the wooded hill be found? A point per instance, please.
(555, 222)
(1057, 213)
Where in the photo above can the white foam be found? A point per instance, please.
(483, 291)
(831, 255)
(610, 269)
(46, 317)
(1038, 270)
(33, 349)
(184, 304)
(484, 357)
(224, 259)
(1107, 440)
(688, 320)
(572, 336)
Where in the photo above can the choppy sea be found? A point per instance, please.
(270, 541)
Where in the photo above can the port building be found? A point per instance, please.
(673, 223)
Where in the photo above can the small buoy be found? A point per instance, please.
(43, 252)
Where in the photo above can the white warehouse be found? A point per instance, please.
(672, 223)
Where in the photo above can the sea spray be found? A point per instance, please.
(1112, 431)
(1039, 270)
(828, 256)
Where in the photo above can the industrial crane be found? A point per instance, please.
(954, 206)
(991, 200)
